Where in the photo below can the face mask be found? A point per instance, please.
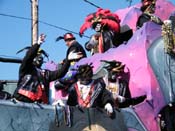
(98, 27)
(38, 61)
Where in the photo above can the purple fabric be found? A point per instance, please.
(142, 80)
(129, 15)
(134, 56)
(51, 65)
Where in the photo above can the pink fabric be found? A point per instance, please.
(56, 95)
(142, 79)
(51, 65)
(53, 93)
(129, 15)
(134, 56)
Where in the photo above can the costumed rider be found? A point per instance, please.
(107, 26)
(148, 9)
(117, 81)
(74, 53)
(33, 83)
(88, 92)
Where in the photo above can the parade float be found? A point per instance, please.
(151, 69)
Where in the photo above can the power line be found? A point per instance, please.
(61, 28)
(45, 23)
(13, 16)
(92, 4)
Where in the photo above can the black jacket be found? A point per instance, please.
(38, 75)
(76, 47)
(102, 97)
(144, 17)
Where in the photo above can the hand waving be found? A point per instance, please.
(41, 39)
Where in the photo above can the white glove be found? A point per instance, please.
(108, 108)
(41, 39)
(60, 102)
(74, 55)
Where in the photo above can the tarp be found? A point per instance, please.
(37, 117)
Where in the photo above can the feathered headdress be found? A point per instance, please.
(40, 51)
(103, 16)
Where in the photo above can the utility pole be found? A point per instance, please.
(34, 24)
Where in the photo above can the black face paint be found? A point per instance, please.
(112, 77)
(85, 73)
(38, 61)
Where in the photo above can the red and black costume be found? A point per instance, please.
(97, 96)
(33, 83)
(106, 23)
(103, 16)
(109, 27)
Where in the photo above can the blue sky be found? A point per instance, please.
(69, 14)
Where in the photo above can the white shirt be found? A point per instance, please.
(84, 89)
